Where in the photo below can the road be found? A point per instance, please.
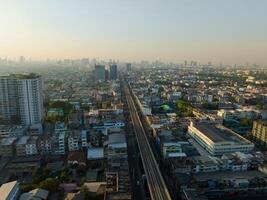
(156, 184)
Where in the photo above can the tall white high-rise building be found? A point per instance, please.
(21, 97)
(30, 99)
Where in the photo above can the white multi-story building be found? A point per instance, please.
(30, 99)
(217, 139)
(59, 139)
(73, 141)
(84, 142)
(21, 98)
(31, 146)
(61, 143)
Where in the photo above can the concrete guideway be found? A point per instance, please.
(156, 184)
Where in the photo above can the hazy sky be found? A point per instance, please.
(228, 31)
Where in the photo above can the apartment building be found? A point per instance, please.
(21, 99)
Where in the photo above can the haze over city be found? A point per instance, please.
(232, 32)
(133, 100)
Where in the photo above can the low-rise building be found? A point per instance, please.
(21, 145)
(45, 144)
(8, 146)
(73, 141)
(10, 191)
(31, 146)
(36, 194)
(12, 131)
(84, 141)
(259, 132)
(205, 164)
(95, 153)
(217, 139)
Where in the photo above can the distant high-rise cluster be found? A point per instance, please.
(21, 99)
(102, 74)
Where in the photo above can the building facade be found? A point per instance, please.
(8, 98)
(100, 73)
(21, 99)
(113, 72)
(259, 132)
(129, 67)
(30, 99)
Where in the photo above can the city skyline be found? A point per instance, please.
(132, 31)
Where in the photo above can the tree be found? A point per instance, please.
(28, 187)
(64, 175)
(182, 106)
(50, 184)
(40, 175)
(85, 191)
(246, 122)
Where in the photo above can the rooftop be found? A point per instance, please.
(230, 175)
(37, 193)
(23, 140)
(25, 76)
(11, 128)
(116, 138)
(33, 140)
(204, 160)
(6, 188)
(193, 194)
(95, 153)
(8, 141)
(219, 133)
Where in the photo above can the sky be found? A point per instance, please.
(220, 31)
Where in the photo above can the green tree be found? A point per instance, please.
(182, 106)
(246, 122)
(50, 184)
(28, 187)
(40, 175)
(85, 191)
(64, 175)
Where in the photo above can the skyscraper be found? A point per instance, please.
(21, 98)
(30, 99)
(100, 72)
(8, 98)
(106, 75)
(113, 72)
(129, 67)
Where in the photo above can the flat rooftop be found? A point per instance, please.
(11, 128)
(116, 138)
(23, 140)
(6, 188)
(226, 175)
(8, 141)
(25, 76)
(219, 133)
